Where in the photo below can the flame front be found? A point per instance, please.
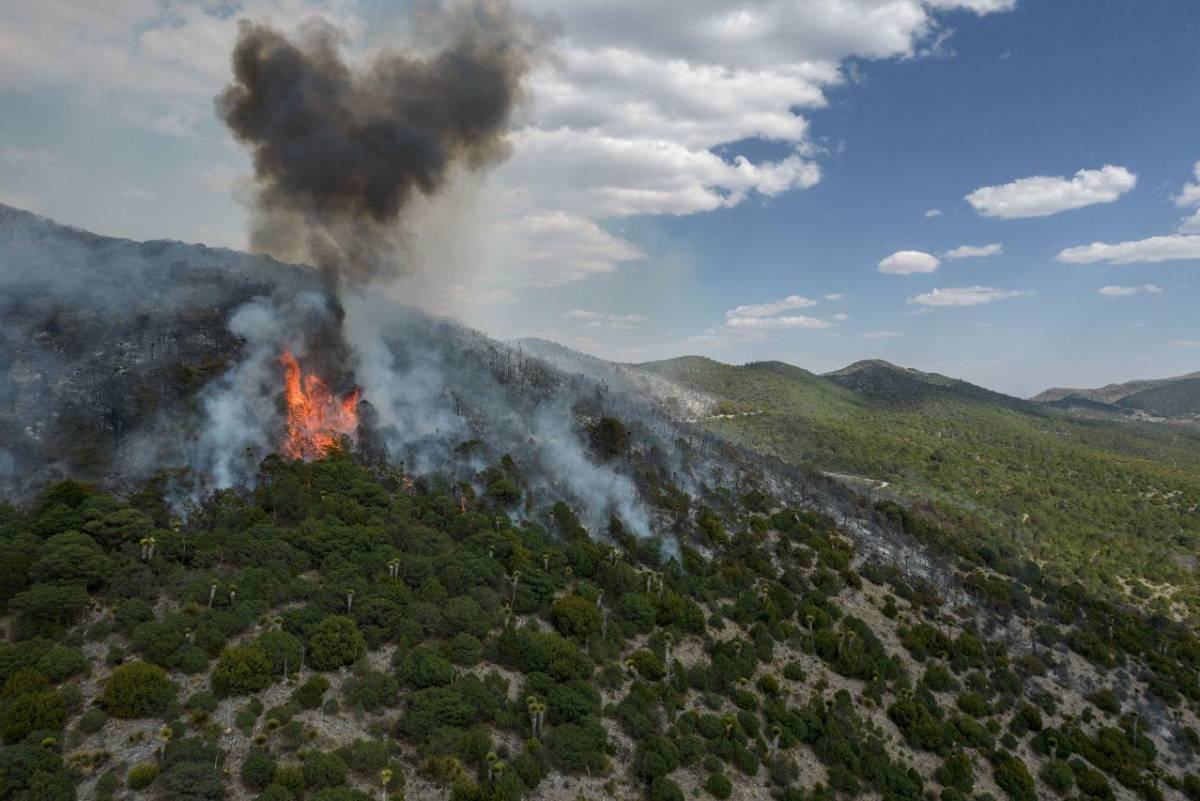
(316, 421)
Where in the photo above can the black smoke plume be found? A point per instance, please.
(339, 151)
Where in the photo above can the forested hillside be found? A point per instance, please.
(1116, 504)
(340, 634)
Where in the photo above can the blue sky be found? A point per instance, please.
(625, 225)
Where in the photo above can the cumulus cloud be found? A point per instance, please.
(1173, 247)
(909, 262)
(880, 334)
(966, 296)
(933, 213)
(974, 251)
(1041, 195)
(594, 319)
(834, 296)
(840, 317)
(1125, 291)
(772, 308)
(644, 111)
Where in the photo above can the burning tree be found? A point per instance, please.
(316, 420)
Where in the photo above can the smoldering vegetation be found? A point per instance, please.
(340, 149)
(124, 361)
(102, 340)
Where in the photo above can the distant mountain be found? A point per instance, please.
(890, 383)
(1166, 397)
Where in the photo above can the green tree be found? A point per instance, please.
(258, 768)
(576, 617)
(719, 786)
(334, 643)
(32, 712)
(323, 770)
(137, 690)
(609, 438)
(241, 670)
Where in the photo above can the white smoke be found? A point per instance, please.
(242, 420)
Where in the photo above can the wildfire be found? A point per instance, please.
(316, 421)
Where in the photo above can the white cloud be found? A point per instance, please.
(1042, 195)
(840, 317)
(642, 111)
(881, 334)
(1185, 343)
(835, 296)
(1125, 291)
(553, 248)
(594, 319)
(974, 251)
(768, 323)
(647, 103)
(933, 213)
(1151, 250)
(771, 309)
(966, 296)
(1190, 194)
(978, 6)
(908, 262)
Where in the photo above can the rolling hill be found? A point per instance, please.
(1097, 499)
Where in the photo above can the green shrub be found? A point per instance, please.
(323, 770)
(373, 691)
(1057, 775)
(310, 694)
(366, 757)
(92, 720)
(334, 643)
(137, 690)
(194, 781)
(1013, 778)
(1106, 701)
(648, 665)
(576, 617)
(424, 667)
(62, 662)
(973, 704)
(201, 700)
(663, 789)
(22, 681)
(283, 649)
(241, 670)
(719, 786)
(258, 768)
(32, 712)
(142, 775)
(955, 771)
(465, 649)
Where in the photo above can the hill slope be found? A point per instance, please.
(491, 625)
(1091, 498)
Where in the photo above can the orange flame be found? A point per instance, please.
(316, 421)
